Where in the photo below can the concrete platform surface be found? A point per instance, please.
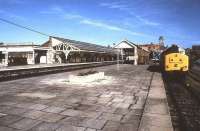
(115, 103)
(156, 116)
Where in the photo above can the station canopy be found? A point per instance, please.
(81, 46)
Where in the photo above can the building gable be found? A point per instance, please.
(55, 42)
(124, 44)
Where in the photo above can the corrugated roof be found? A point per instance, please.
(86, 46)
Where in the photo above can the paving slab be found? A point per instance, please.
(34, 114)
(111, 126)
(128, 127)
(70, 128)
(4, 108)
(23, 105)
(74, 121)
(94, 123)
(16, 111)
(8, 103)
(131, 118)
(71, 112)
(110, 116)
(51, 117)
(9, 119)
(90, 129)
(91, 114)
(54, 109)
(44, 126)
(121, 111)
(38, 107)
(25, 124)
(4, 128)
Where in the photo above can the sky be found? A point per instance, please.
(102, 22)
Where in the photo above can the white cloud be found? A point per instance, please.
(111, 27)
(53, 10)
(137, 33)
(100, 24)
(47, 12)
(125, 8)
(114, 5)
(56, 10)
(147, 22)
(72, 16)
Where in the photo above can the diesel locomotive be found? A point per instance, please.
(174, 59)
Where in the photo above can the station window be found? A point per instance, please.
(2, 56)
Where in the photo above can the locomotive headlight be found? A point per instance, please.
(188, 84)
(185, 68)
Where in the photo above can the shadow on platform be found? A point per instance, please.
(154, 68)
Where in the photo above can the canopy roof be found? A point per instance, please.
(83, 46)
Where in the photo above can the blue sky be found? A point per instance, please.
(103, 21)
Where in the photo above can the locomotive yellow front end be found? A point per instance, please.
(176, 62)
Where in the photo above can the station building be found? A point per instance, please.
(132, 53)
(58, 50)
(12, 54)
(55, 50)
(70, 51)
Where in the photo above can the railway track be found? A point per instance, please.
(184, 106)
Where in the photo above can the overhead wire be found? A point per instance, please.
(24, 27)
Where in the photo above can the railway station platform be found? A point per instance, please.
(129, 98)
(15, 72)
(156, 116)
(38, 66)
